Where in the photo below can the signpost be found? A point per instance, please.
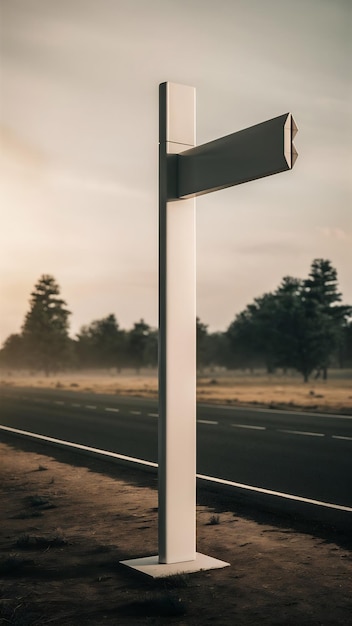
(186, 171)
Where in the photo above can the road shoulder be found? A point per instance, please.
(67, 521)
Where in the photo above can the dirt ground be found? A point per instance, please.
(67, 521)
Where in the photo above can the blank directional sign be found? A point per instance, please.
(256, 152)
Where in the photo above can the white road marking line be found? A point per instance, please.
(111, 409)
(248, 426)
(284, 411)
(341, 437)
(136, 412)
(59, 402)
(207, 422)
(153, 414)
(279, 494)
(220, 481)
(90, 406)
(300, 432)
(80, 446)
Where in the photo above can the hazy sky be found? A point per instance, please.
(79, 135)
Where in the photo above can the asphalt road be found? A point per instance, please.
(303, 454)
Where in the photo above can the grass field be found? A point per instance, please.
(223, 387)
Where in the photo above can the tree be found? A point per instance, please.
(201, 338)
(212, 348)
(321, 284)
(12, 353)
(253, 336)
(299, 325)
(345, 347)
(101, 344)
(138, 339)
(310, 337)
(308, 320)
(285, 322)
(321, 287)
(217, 350)
(151, 348)
(45, 329)
(244, 340)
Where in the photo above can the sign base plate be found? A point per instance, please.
(150, 566)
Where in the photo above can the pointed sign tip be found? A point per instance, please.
(290, 131)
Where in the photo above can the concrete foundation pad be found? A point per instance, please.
(151, 567)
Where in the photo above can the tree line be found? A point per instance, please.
(44, 343)
(302, 325)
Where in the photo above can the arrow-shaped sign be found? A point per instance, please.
(256, 152)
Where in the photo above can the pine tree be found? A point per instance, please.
(45, 329)
(321, 294)
(300, 325)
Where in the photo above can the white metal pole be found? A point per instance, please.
(185, 171)
(177, 334)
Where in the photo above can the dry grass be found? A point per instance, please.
(223, 387)
(275, 390)
(127, 382)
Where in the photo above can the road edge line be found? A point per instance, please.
(151, 464)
